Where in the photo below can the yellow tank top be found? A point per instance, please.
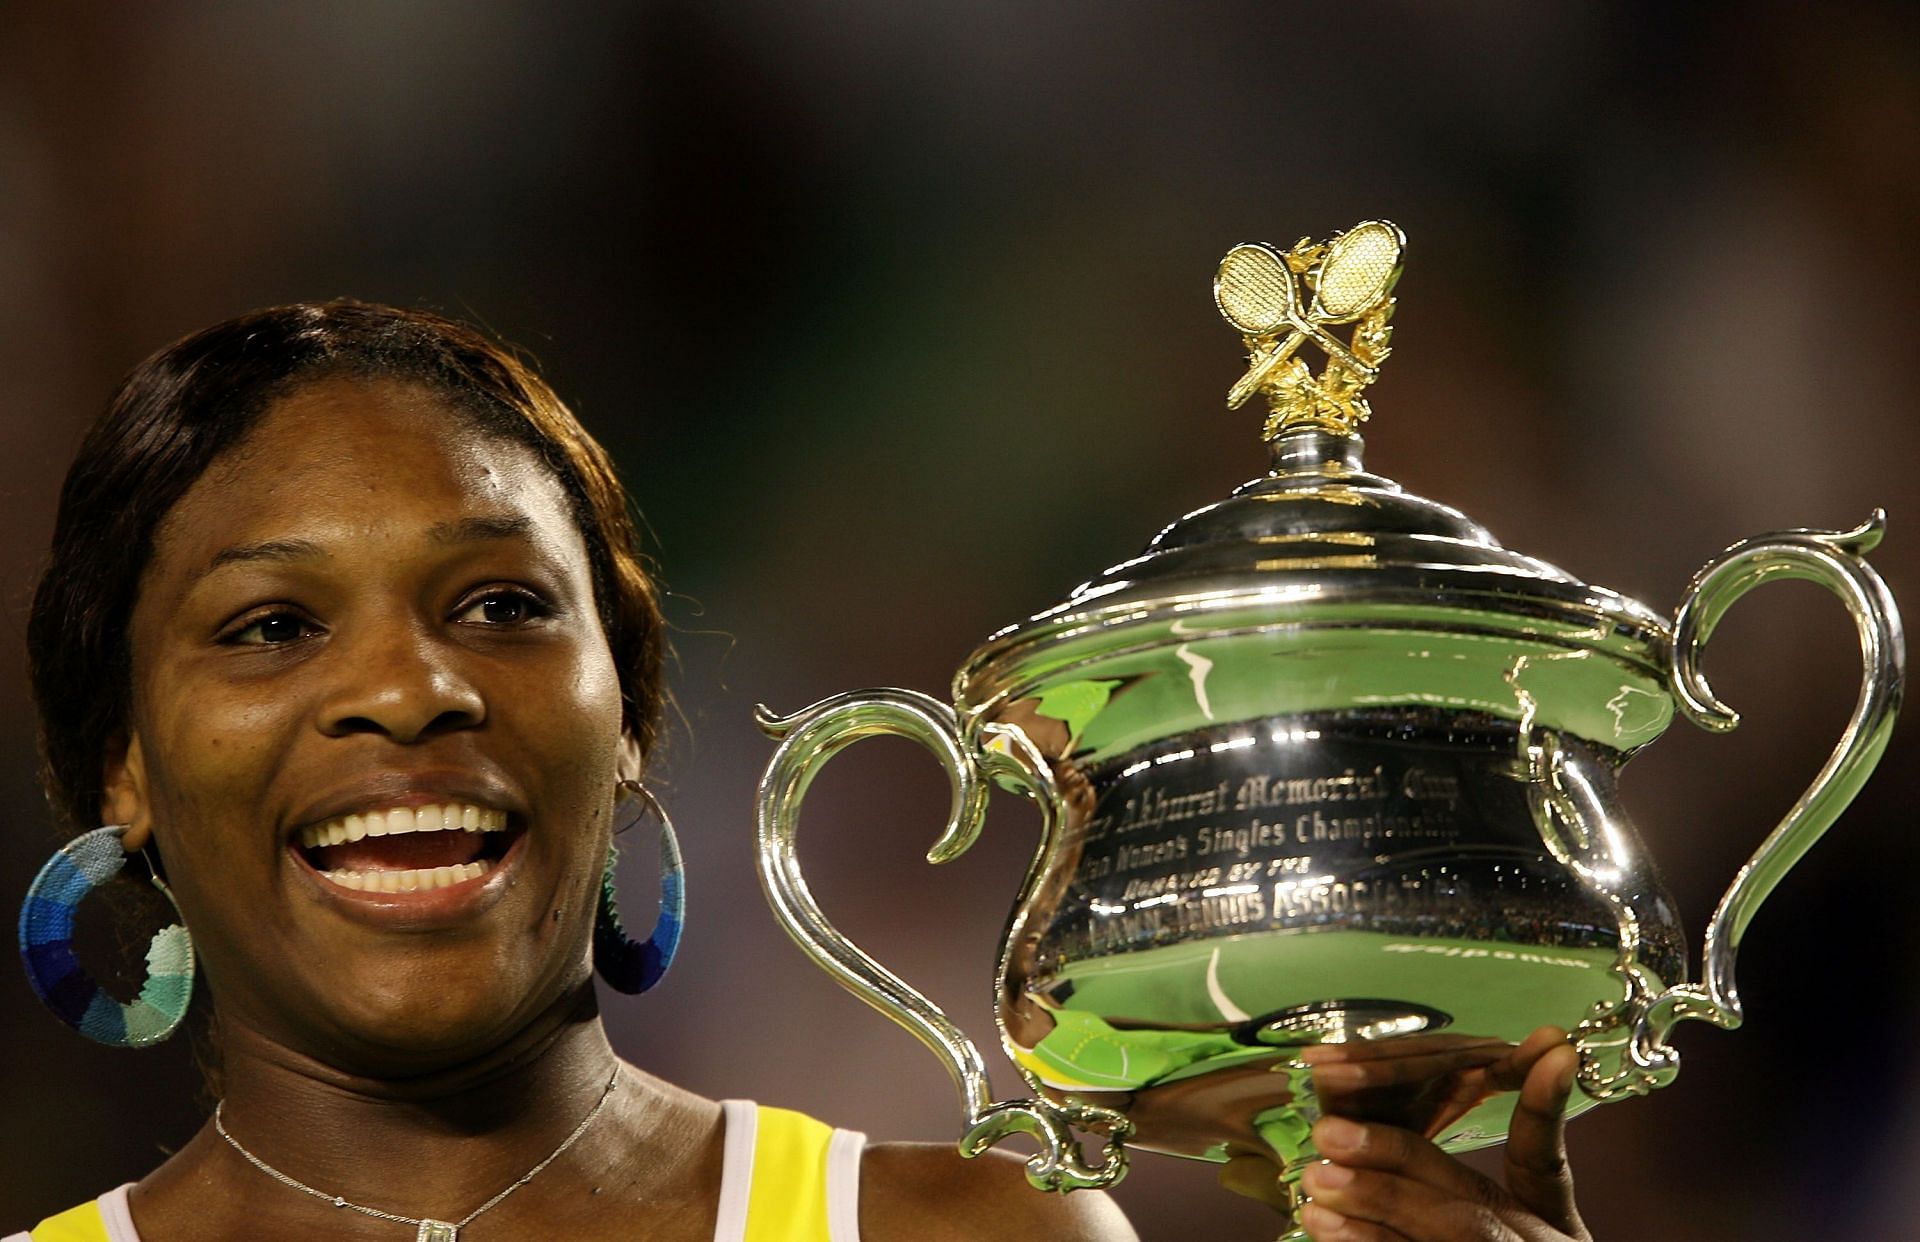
(85, 1223)
(786, 1178)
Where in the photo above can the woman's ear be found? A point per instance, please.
(123, 791)
(632, 761)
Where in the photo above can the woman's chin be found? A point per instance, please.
(386, 1021)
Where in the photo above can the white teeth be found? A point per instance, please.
(403, 819)
(410, 881)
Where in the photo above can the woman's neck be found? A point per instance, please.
(431, 1144)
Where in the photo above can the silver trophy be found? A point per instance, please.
(1325, 763)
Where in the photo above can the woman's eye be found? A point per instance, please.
(504, 608)
(272, 630)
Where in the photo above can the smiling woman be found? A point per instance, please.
(346, 636)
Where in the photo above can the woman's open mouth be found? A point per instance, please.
(408, 849)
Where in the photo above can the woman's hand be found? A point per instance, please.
(1380, 1183)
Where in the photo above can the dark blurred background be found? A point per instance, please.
(897, 317)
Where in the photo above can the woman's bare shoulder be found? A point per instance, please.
(928, 1192)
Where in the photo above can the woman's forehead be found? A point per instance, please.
(342, 459)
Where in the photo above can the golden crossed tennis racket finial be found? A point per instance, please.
(1351, 277)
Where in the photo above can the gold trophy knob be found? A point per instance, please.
(1351, 277)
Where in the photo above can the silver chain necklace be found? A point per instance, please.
(430, 1230)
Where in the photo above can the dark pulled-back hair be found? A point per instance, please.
(192, 401)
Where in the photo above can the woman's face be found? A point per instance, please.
(370, 620)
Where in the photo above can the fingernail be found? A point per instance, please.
(1319, 1220)
(1325, 1176)
(1333, 1077)
(1339, 1134)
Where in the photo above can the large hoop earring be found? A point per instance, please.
(629, 966)
(46, 947)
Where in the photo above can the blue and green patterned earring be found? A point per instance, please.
(46, 946)
(634, 966)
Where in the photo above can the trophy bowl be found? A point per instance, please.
(1325, 764)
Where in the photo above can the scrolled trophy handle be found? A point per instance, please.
(1835, 560)
(808, 739)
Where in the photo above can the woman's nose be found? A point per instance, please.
(401, 683)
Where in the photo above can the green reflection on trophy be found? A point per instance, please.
(1325, 764)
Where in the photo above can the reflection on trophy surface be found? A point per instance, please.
(1327, 774)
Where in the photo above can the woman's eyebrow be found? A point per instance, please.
(267, 550)
(466, 530)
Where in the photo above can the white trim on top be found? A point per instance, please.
(843, 1185)
(742, 1122)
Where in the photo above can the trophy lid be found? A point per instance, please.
(1318, 542)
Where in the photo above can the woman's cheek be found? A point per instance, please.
(209, 786)
(583, 735)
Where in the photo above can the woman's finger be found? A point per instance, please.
(1421, 1066)
(1390, 1149)
(1537, 1172)
(1404, 1207)
(1323, 1224)
(1510, 1072)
